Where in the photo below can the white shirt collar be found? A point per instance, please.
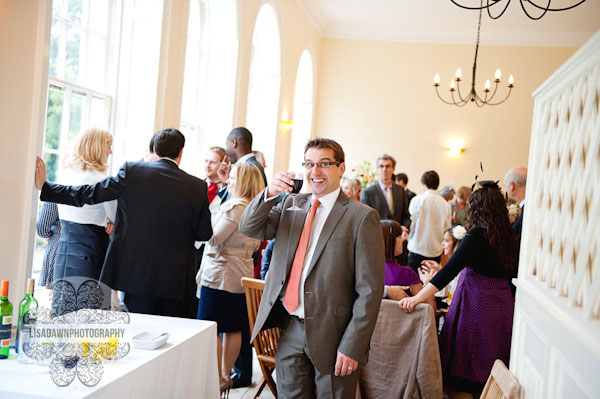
(383, 186)
(521, 204)
(329, 200)
(169, 159)
(245, 157)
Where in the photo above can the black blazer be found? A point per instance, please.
(161, 211)
(518, 225)
(374, 197)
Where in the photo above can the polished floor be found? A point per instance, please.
(246, 393)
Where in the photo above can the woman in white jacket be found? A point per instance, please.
(85, 230)
(227, 258)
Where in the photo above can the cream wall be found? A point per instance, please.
(376, 97)
(23, 24)
(297, 34)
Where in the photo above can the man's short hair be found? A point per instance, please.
(338, 152)
(168, 143)
(151, 145)
(402, 177)
(241, 134)
(431, 179)
(517, 178)
(386, 157)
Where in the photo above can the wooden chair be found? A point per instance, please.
(501, 384)
(265, 343)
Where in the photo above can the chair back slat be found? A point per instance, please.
(266, 340)
(265, 343)
(501, 384)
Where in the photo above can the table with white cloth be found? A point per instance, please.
(185, 367)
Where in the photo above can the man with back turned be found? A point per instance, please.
(161, 212)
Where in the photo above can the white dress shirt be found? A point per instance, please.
(327, 202)
(387, 193)
(431, 216)
(96, 214)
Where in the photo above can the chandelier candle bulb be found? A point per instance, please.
(487, 96)
(511, 81)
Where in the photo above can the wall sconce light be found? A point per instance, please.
(286, 126)
(455, 149)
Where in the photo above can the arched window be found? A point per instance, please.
(209, 79)
(265, 79)
(303, 109)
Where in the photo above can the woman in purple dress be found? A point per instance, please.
(395, 274)
(478, 327)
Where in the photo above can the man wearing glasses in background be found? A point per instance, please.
(325, 283)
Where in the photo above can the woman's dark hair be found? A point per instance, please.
(487, 209)
(390, 230)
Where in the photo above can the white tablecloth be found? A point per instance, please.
(185, 367)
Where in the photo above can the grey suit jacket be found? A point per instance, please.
(405, 357)
(344, 286)
(374, 197)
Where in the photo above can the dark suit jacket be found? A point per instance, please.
(161, 211)
(344, 286)
(410, 195)
(518, 225)
(374, 197)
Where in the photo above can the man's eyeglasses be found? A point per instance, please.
(322, 165)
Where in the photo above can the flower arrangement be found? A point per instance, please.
(514, 211)
(364, 173)
(459, 232)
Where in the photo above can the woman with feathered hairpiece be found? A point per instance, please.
(478, 327)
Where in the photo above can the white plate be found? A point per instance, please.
(150, 340)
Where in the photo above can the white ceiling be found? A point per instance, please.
(440, 21)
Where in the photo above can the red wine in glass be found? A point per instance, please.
(296, 187)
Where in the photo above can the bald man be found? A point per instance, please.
(515, 183)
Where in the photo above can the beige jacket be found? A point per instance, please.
(405, 356)
(228, 254)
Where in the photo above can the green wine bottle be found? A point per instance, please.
(27, 317)
(6, 309)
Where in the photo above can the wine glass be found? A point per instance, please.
(296, 187)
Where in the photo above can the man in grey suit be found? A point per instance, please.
(325, 283)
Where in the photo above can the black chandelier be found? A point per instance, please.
(538, 8)
(473, 96)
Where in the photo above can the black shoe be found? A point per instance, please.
(237, 383)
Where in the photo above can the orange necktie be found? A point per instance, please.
(291, 297)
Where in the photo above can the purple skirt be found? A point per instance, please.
(478, 327)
